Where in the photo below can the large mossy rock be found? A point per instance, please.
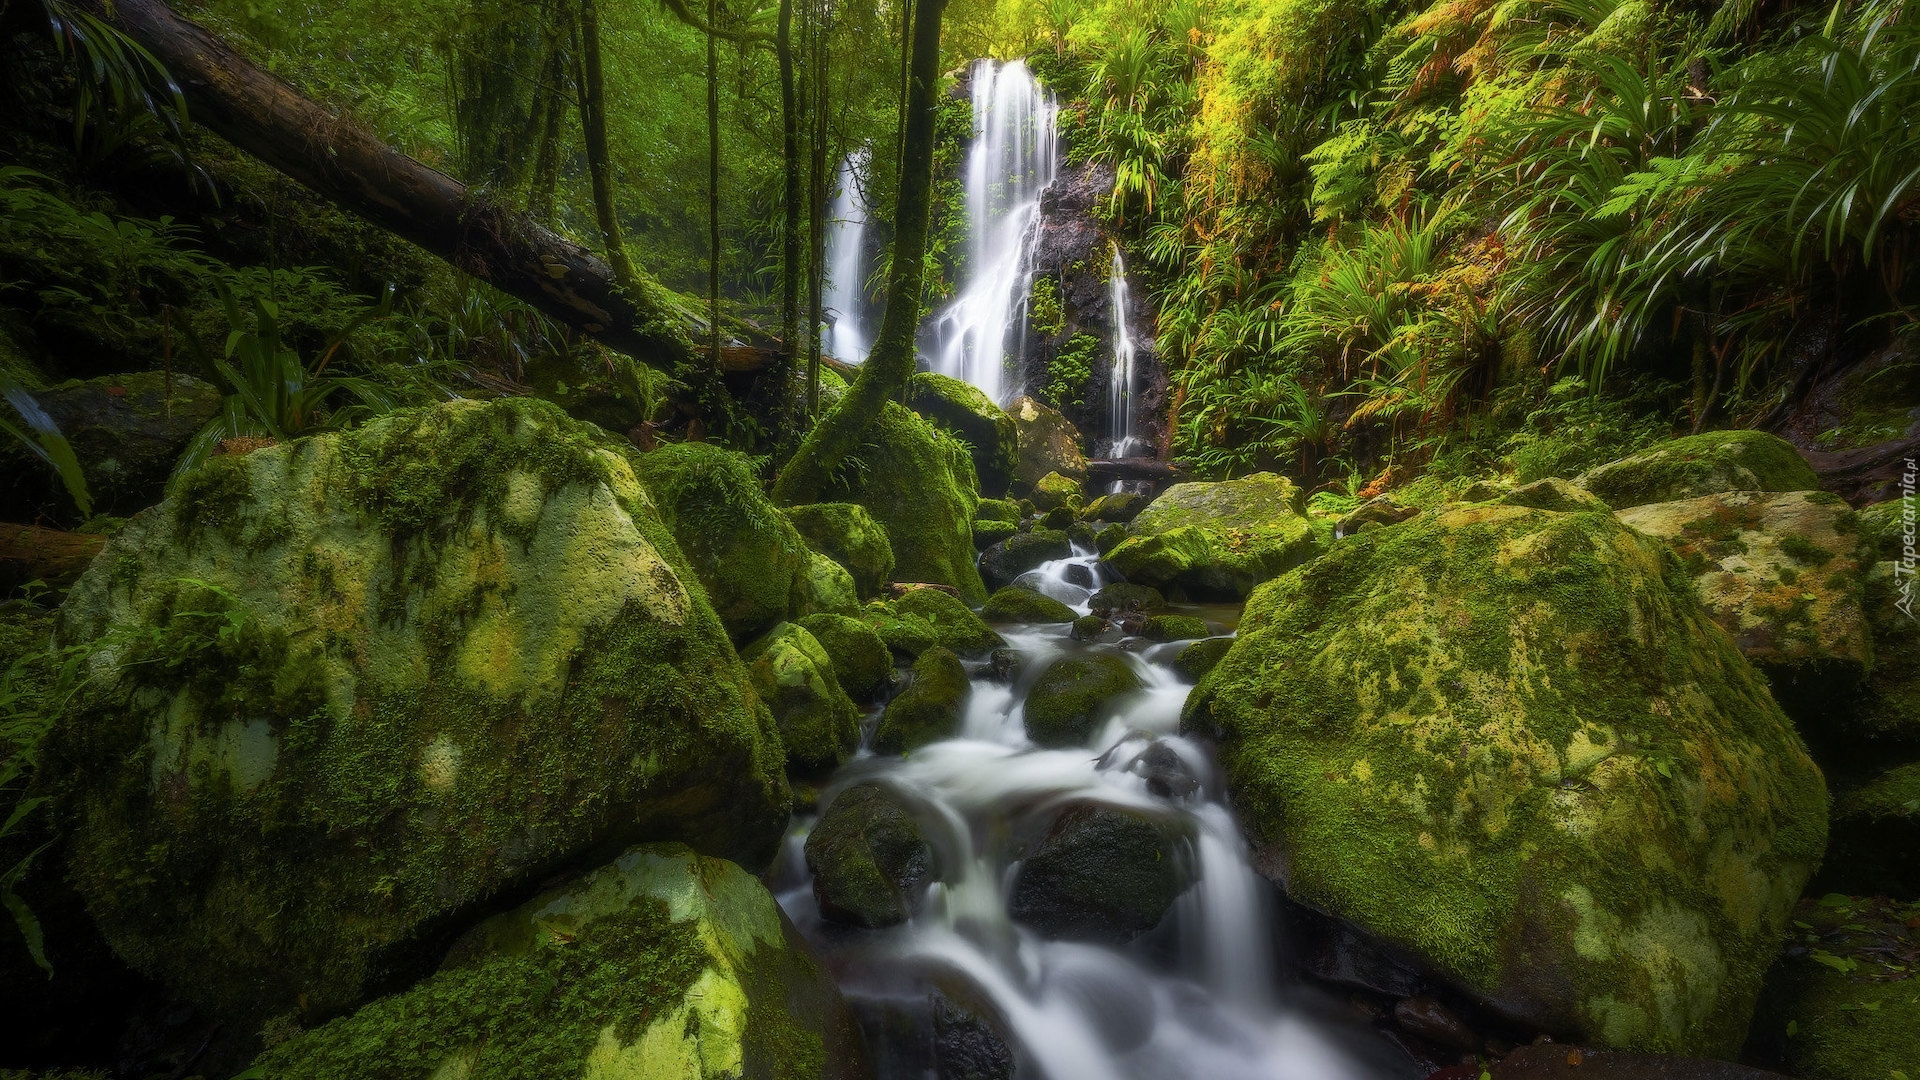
(861, 660)
(1014, 604)
(1875, 842)
(1781, 572)
(954, 624)
(1705, 464)
(823, 585)
(1216, 539)
(126, 430)
(664, 963)
(870, 863)
(1842, 1003)
(847, 534)
(931, 708)
(1101, 873)
(1048, 441)
(355, 685)
(1513, 743)
(745, 552)
(600, 387)
(918, 483)
(1072, 697)
(1021, 552)
(793, 674)
(966, 412)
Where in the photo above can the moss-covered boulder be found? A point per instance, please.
(1126, 597)
(1553, 493)
(931, 708)
(1101, 873)
(1108, 538)
(997, 510)
(1875, 837)
(1883, 529)
(861, 660)
(1216, 539)
(870, 864)
(743, 549)
(1376, 513)
(1021, 552)
(353, 686)
(1054, 492)
(1843, 1003)
(663, 963)
(918, 483)
(600, 387)
(1073, 696)
(1887, 713)
(1014, 604)
(823, 585)
(1048, 441)
(794, 676)
(1512, 743)
(847, 534)
(1782, 573)
(1705, 464)
(972, 416)
(127, 431)
(1119, 506)
(1197, 659)
(988, 533)
(1173, 627)
(956, 625)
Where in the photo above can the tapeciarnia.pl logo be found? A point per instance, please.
(1903, 566)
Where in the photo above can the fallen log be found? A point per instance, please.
(31, 553)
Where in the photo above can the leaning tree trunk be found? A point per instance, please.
(713, 180)
(348, 166)
(817, 207)
(891, 363)
(790, 222)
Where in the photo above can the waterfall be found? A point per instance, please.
(1120, 395)
(846, 337)
(1012, 161)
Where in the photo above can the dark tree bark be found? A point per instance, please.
(713, 179)
(790, 223)
(817, 205)
(552, 114)
(593, 123)
(891, 363)
(348, 166)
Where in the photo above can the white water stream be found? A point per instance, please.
(1198, 997)
(846, 334)
(1120, 394)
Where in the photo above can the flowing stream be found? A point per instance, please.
(846, 336)
(1120, 394)
(1199, 996)
(1015, 153)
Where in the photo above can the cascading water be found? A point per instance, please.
(1120, 396)
(846, 337)
(1015, 151)
(1199, 996)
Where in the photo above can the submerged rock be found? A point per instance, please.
(931, 708)
(1216, 538)
(126, 431)
(1073, 696)
(918, 483)
(459, 650)
(968, 413)
(1704, 464)
(663, 963)
(861, 660)
(870, 864)
(1049, 443)
(847, 534)
(1018, 605)
(1101, 874)
(1017, 554)
(1497, 737)
(819, 725)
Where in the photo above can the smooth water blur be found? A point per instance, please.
(1199, 996)
(1120, 419)
(846, 335)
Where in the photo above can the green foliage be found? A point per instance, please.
(1070, 371)
(43, 440)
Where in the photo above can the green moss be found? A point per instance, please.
(1843, 1003)
(988, 533)
(847, 534)
(861, 660)
(1174, 628)
(1056, 492)
(1511, 741)
(869, 861)
(1705, 464)
(1044, 313)
(1197, 659)
(1070, 371)
(919, 484)
(929, 709)
(1016, 605)
(1888, 710)
(1073, 697)
(1875, 844)
(1216, 538)
(957, 627)
(997, 510)
(823, 585)
(791, 672)
(974, 419)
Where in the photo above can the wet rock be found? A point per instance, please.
(929, 709)
(1555, 1061)
(1081, 534)
(1216, 538)
(1120, 506)
(997, 510)
(924, 495)
(1376, 512)
(436, 699)
(1073, 696)
(1126, 596)
(955, 626)
(1048, 442)
(966, 1046)
(1109, 538)
(861, 660)
(1167, 774)
(1841, 1001)
(744, 551)
(1350, 804)
(1089, 627)
(933, 1037)
(1079, 574)
(1428, 1019)
(1054, 491)
(1200, 657)
(791, 672)
(1553, 493)
(1008, 559)
(1705, 464)
(1173, 628)
(1100, 874)
(966, 412)
(126, 430)
(870, 864)
(847, 534)
(1873, 843)
(663, 962)
(1015, 604)
(988, 533)
(1060, 517)
(1004, 666)
(823, 585)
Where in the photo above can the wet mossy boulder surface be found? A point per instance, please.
(1216, 539)
(822, 585)
(1197, 659)
(847, 534)
(1072, 697)
(1843, 1003)
(870, 863)
(350, 687)
(1704, 464)
(1053, 491)
(126, 431)
(1048, 441)
(664, 963)
(1021, 552)
(1017, 605)
(918, 483)
(744, 551)
(931, 708)
(1102, 873)
(1513, 743)
(954, 625)
(861, 660)
(794, 676)
(1552, 493)
(969, 414)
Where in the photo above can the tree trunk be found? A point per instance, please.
(713, 179)
(345, 164)
(593, 124)
(790, 222)
(545, 182)
(817, 210)
(891, 363)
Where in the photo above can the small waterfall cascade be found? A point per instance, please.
(846, 335)
(1201, 995)
(1014, 156)
(1120, 395)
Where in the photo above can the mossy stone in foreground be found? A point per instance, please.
(663, 964)
(1197, 659)
(468, 653)
(861, 660)
(964, 410)
(869, 862)
(1512, 742)
(1843, 1002)
(1101, 873)
(931, 708)
(1018, 605)
(918, 483)
(1054, 492)
(819, 725)
(1704, 464)
(1073, 695)
(1216, 539)
(955, 625)
(744, 550)
(847, 534)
